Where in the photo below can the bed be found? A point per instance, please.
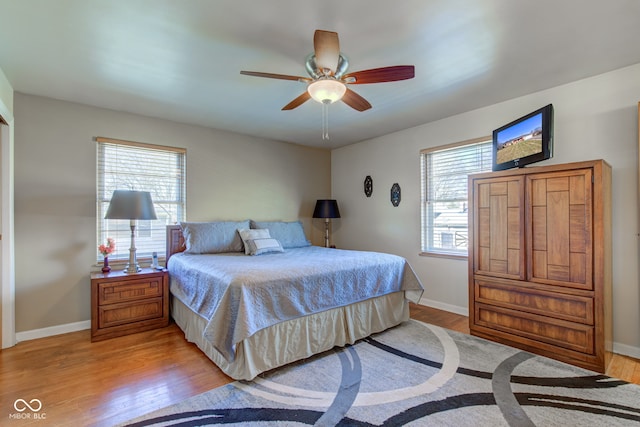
(251, 310)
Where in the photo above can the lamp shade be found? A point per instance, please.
(128, 204)
(326, 208)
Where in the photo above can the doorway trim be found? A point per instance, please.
(7, 278)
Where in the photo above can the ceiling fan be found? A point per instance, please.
(328, 80)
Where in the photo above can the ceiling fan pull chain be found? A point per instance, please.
(325, 120)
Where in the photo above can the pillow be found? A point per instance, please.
(263, 246)
(248, 234)
(213, 237)
(289, 234)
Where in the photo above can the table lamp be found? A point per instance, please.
(326, 208)
(131, 205)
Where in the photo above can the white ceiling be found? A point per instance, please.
(180, 60)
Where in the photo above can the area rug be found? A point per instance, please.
(415, 374)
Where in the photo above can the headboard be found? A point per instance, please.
(175, 241)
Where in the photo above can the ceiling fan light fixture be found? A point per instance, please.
(326, 91)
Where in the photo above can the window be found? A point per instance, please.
(444, 194)
(124, 165)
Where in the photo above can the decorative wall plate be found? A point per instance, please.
(368, 186)
(395, 194)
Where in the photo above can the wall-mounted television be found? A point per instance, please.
(526, 140)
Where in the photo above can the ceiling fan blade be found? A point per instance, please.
(381, 75)
(355, 101)
(327, 50)
(297, 102)
(275, 76)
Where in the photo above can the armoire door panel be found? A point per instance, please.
(558, 272)
(513, 228)
(499, 237)
(577, 229)
(539, 228)
(561, 216)
(499, 188)
(539, 264)
(578, 189)
(484, 224)
(514, 189)
(498, 221)
(578, 268)
(484, 260)
(539, 193)
(484, 227)
(484, 193)
(499, 266)
(557, 230)
(557, 184)
(513, 262)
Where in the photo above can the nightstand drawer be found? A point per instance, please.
(128, 312)
(123, 303)
(129, 290)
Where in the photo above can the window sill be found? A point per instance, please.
(121, 263)
(444, 255)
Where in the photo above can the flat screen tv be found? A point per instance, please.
(526, 140)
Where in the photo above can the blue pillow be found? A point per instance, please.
(213, 237)
(289, 234)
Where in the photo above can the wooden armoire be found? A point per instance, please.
(540, 260)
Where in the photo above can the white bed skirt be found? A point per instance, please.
(299, 338)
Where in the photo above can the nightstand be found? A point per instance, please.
(123, 304)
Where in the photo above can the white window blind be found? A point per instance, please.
(444, 173)
(125, 165)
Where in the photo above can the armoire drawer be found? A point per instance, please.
(573, 308)
(560, 333)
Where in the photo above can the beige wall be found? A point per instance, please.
(229, 176)
(594, 118)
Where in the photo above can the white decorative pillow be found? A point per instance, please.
(263, 246)
(249, 234)
(213, 237)
(290, 234)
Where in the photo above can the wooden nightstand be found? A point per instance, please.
(123, 304)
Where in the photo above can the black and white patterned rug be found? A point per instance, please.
(415, 374)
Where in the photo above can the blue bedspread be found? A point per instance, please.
(240, 294)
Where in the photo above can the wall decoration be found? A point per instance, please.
(395, 194)
(368, 186)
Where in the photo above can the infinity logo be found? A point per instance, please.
(21, 405)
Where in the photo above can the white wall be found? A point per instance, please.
(6, 97)
(7, 301)
(229, 176)
(595, 118)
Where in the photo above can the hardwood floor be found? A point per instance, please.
(100, 384)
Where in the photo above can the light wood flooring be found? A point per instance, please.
(100, 384)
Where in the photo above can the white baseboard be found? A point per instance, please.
(626, 350)
(52, 330)
(463, 311)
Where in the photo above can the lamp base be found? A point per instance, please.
(132, 269)
(326, 232)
